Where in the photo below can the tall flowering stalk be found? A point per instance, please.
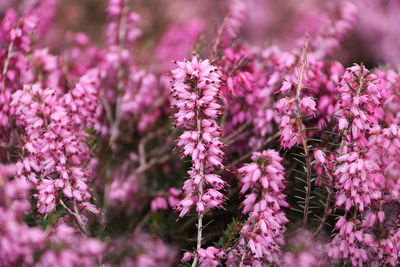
(292, 129)
(308, 104)
(360, 105)
(231, 25)
(358, 175)
(263, 183)
(332, 34)
(15, 44)
(195, 89)
(121, 34)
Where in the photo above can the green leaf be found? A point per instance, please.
(312, 128)
(297, 210)
(38, 97)
(356, 77)
(298, 160)
(352, 89)
(300, 179)
(300, 155)
(299, 197)
(299, 172)
(315, 140)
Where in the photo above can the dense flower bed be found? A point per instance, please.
(199, 133)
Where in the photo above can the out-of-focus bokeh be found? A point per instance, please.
(374, 39)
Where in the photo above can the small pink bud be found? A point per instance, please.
(319, 156)
(381, 216)
(286, 86)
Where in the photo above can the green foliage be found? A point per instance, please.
(231, 234)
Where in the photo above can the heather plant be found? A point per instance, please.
(199, 133)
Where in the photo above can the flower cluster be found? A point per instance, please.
(263, 182)
(142, 249)
(388, 248)
(240, 88)
(141, 99)
(78, 250)
(329, 39)
(385, 146)
(18, 241)
(16, 42)
(351, 242)
(195, 89)
(305, 250)
(358, 174)
(51, 152)
(358, 181)
(123, 27)
(210, 256)
(82, 100)
(21, 244)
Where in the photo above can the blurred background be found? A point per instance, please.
(374, 39)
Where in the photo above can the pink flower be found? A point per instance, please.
(77, 248)
(319, 156)
(286, 86)
(342, 124)
(49, 127)
(18, 241)
(210, 257)
(187, 256)
(308, 104)
(305, 251)
(158, 203)
(283, 104)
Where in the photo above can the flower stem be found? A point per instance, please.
(199, 221)
(77, 216)
(303, 134)
(201, 189)
(6, 63)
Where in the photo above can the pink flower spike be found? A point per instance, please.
(195, 90)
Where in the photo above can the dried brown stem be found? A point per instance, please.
(76, 215)
(229, 139)
(303, 133)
